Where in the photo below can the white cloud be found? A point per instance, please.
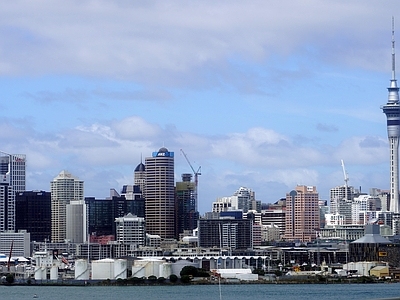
(188, 65)
(158, 39)
(135, 128)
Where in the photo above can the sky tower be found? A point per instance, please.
(392, 111)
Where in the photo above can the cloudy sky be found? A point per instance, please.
(261, 94)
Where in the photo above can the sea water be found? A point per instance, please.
(197, 292)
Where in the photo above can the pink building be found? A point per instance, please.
(302, 214)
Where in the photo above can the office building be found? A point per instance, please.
(19, 241)
(341, 199)
(276, 218)
(134, 199)
(131, 230)
(222, 204)
(227, 233)
(302, 214)
(33, 214)
(102, 213)
(64, 188)
(243, 199)
(76, 221)
(140, 177)
(392, 111)
(12, 180)
(187, 215)
(160, 194)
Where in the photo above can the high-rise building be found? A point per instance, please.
(131, 230)
(33, 214)
(226, 233)
(275, 217)
(392, 111)
(160, 194)
(302, 214)
(338, 195)
(76, 221)
(187, 215)
(102, 212)
(134, 199)
(12, 180)
(140, 177)
(64, 188)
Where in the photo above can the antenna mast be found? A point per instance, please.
(393, 53)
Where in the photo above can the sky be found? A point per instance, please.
(261, 94)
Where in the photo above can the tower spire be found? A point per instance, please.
(393, 53)
(393, 89)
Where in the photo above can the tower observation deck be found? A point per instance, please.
(392, 111)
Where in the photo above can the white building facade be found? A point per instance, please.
(131, 230)
(64, 188)
(12, 181)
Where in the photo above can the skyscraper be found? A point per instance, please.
(33, 213)
(302, 214)
(392, 111)
(102, 212)
(64, 188)
(76, 231)
(160, 194)
(12, 180)
(187, 215)
(140, 177)
(227, 233)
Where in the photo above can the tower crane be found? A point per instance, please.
(196, 177)
(346, 180)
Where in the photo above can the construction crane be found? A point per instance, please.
(196, 177)
(346, 180)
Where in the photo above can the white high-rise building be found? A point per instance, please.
(64, 188)
(131, 230)
(12, 181)
(337, 194)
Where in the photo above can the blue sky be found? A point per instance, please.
(261, 94)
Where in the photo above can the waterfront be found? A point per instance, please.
(200, 292)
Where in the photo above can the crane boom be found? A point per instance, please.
(196, 176)
(346, 179)
(9, 256)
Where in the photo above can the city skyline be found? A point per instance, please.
(261, 95)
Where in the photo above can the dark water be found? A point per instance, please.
(228, 292)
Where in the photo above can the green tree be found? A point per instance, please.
(189, 270)
(10, 278)
(202, 273)
(185, 278)
(173, 278)
(161, 279)
(260, 272)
